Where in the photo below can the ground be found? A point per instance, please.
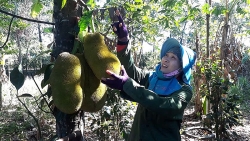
(238, 133)
(16, 124)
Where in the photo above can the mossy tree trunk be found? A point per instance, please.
(65, 31)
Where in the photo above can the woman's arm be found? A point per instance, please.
(126, 59)
(171, 106)
(125, 56)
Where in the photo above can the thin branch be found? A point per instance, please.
(41, 92)
(8, 33)
(31, 20)
(82, 3)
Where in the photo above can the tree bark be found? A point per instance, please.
(65, 31)
(76, 136)
(0, 95)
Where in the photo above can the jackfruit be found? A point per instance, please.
(65, 80)
(94, 91)
(98, 55)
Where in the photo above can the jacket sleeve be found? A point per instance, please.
(126, 59)
(125, 56)
(170, 106)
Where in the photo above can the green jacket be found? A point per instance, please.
(157, 118)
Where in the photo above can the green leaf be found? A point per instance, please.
(47, 73)
(135, 14)
(166, 24)
(63, 3)
(91, 3)
(147, 7)
(48, 30)
(17, 77)
(204, 104)
(85, 20)
(183, 19)
(218, 10)
(205, 8)
(43, 84)
(240, 10)
(36, 8)
(139, 1)
(25, 95)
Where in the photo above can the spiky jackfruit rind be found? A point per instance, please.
(99, 57)
(94, 91)
(68, 100)
(65, 82)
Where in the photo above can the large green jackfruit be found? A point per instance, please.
(98, 55)
(94, 91)
(65, 80)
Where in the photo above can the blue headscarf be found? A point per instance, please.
(163, 86)
(188, 57)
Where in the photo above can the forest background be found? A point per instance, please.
(217, 30)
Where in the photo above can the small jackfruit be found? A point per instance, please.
(98, 55)
(65, 80)
(94, 91)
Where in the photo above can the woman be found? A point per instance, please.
(161, 95)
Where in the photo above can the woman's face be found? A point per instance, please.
(170, 62)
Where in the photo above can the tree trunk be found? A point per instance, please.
(0, 95)
(65, 32)
(197, 81)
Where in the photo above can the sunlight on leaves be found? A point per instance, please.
(91, 3)
(48, 30)
(205, 8)
(139, 1)
(63, 3)
(36, 8)
(85, 21)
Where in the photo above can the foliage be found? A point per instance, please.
(146, 21)
(246, 65)
(149, 60)
(115, 119)
(239, 93)
(36, 8)
(16, 124)
(17, 78)
(225, 112)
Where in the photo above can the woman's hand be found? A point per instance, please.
(116, 81)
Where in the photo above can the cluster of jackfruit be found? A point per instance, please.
(76, 79)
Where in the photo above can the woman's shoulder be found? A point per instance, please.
(186, 87)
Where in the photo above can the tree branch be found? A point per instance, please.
(31, 20)
(8, 33)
